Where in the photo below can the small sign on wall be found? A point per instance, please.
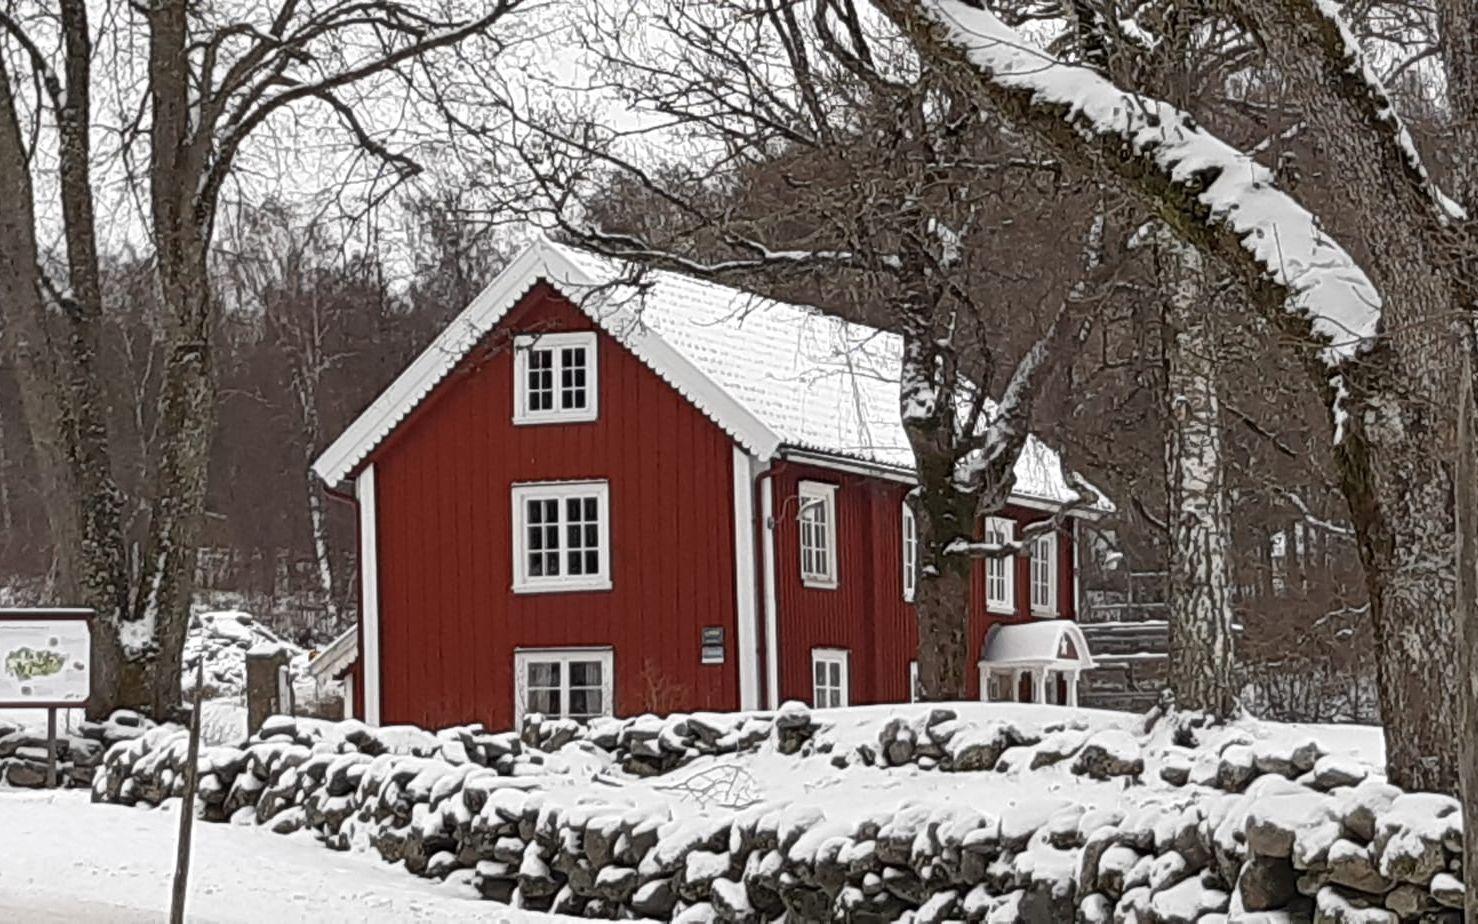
(713, 645)
(45, 658)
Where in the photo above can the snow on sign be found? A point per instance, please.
(45, 658)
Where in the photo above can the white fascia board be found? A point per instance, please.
(904, 476)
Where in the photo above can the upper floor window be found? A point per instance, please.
(830, 686)
(818, 523)
(561, 536)
(554, 378)
(910, 553)
(1044, 575)
(1000, 571)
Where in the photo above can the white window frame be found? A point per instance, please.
(523, 657)
(913, 681)
(811, 494)
(829, 656)
(523, 582)
(910, 553)
(1044, 554)
(523, 345)
(1004, 528)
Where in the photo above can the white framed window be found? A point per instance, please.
(1044, 575)
(555, 378)
(830, 678)
(910, 553)
(1000, 573)
(818, 527)
(914, 690)
(566, 683)
(561, 536)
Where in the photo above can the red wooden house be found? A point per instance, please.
(599, 495)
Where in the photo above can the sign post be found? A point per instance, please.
(46, 663)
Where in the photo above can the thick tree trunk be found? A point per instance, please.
(942, 515)
(1201, 668)
(1467, 617)
(1394, 460)
(942, 598)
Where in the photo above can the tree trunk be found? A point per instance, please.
(1394, 461)
(1467, 617)
(942, 599)
(1201, 668)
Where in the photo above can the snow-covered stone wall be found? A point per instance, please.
(611, 821)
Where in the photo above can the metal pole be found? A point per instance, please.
(187, 806)
(50, 747)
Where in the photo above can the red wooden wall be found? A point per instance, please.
(449, 620)
(866, 613)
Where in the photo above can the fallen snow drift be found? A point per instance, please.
(108, 864)
(974, 811)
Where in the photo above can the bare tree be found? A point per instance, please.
(1384, 358)
(215, 80)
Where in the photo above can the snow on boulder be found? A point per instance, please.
(1109, 753)
(223, 640)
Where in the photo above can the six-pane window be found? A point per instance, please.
(555, 378)
(910, 553)
(818, 534)
(561, 536)
(1044, 573)
(1000, 584)
(572, 684)
(829, 678)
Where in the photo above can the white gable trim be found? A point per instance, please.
(539, 261)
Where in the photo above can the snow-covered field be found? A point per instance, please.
(66, 859)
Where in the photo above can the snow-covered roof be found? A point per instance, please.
(775, 376)
(332, 661)
(1051, 642)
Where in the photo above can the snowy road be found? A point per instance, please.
(64, 859)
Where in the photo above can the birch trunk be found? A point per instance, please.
(1201, 668)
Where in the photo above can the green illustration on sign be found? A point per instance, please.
(28, 663)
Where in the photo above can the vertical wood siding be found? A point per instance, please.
(450, 622)
(866, 613)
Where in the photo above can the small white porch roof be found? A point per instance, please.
(333, 661)
(1052, 643)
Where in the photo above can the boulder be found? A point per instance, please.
(1352, 866)
(1266, 883)
(1447, 889)
(1109, 753)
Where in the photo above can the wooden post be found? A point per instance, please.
(51, 747)
(187, 805)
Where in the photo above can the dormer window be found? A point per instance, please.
(554, 378)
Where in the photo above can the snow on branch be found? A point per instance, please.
(1212, 193)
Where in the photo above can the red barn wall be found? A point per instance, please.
(449, 620)
(866, 613)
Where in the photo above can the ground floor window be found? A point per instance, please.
(998, 686)
(567, 683)
(830, 683)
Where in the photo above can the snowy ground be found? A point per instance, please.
(66, 859)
